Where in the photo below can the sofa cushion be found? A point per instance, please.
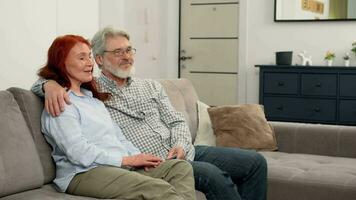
(20, 166)
(47, 192)
(205, 133)
(31, 107)
(243, 126)
(320, 139)
(295, 176)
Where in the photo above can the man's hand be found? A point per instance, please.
(176, 152)
(141, 160)
(55, 98)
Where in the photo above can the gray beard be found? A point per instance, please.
(121, 73)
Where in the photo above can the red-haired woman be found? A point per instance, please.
(92, 156)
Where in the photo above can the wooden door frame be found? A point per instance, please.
(179, 35)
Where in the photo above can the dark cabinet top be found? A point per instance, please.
(306, 67)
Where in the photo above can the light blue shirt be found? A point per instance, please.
(84, 137)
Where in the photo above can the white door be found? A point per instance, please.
(209, 48)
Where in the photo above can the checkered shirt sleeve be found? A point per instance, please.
(174, 120)
(37, 87)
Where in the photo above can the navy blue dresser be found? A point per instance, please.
(316, 94)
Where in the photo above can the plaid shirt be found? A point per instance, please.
(143, 111)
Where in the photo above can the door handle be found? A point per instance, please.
(183, 58)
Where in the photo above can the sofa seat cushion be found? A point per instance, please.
(47, 192)
(306, 176)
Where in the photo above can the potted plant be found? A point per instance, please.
(329, 57)
(346, 59)
(353, 49)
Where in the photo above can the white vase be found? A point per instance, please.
(347, 63)
(329, 62)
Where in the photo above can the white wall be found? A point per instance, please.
(27, 29)
(260, 37)
(29, 26)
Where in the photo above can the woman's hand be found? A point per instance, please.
(141, 160)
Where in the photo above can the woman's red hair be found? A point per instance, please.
(55, 68)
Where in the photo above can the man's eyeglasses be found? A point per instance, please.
(122, 52)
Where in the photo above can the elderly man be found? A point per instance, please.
(143, 111)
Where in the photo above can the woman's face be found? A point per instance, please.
(79, 64)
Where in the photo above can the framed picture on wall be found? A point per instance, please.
(314, 10)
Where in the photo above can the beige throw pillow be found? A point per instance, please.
(243, 126)
(205, 133)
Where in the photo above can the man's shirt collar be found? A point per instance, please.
(109, 82)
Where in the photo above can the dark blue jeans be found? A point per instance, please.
(230, 173)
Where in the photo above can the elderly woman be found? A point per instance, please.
(92, 156)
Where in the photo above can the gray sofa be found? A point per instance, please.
(313, 161)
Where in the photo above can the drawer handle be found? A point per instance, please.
(318, 85)
(317, 110)
(280, 108)
(281, 83)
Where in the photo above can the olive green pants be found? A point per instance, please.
(172, 179)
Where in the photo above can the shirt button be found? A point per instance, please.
(142, 114)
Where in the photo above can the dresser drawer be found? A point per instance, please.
(347, 111)
(318, 110)
(319, 84)
(348, 85)
(280, 83)
(282, 107)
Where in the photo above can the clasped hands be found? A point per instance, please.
(148, 161)
(141, 160)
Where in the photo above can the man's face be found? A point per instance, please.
(118, 57)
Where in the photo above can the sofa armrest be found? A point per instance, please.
(319, 139)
